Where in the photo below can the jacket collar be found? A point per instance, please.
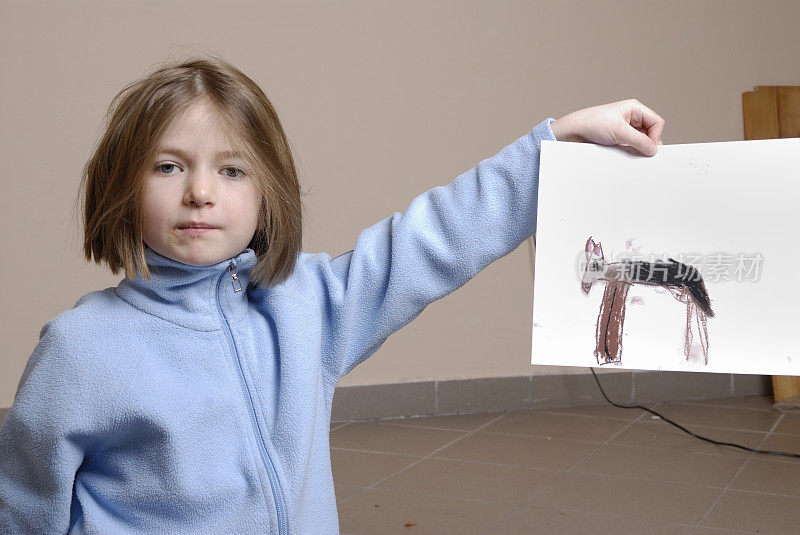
(191, 296)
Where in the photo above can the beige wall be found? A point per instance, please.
(382, 101)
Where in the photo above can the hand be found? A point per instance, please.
(627, 122)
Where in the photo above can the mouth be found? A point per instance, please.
(195, 225)
(191, 232)
(193, 229)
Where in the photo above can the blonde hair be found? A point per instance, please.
(114, 177)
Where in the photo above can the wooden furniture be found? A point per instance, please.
(770, 112)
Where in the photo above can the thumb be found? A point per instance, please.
(639, 141)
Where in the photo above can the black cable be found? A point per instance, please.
(686, 430)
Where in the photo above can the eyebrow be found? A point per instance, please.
(181, 154)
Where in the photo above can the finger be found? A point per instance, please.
(645, 119)
(639, 141)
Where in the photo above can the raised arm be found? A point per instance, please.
(450, 233)
(445, 237)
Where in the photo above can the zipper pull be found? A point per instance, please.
(237, 284)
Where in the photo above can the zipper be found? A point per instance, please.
(277, 493)
(237, 284)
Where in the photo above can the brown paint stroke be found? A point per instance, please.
(610, 322)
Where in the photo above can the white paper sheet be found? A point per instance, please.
(728, 209)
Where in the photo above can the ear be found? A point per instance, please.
(598, 250)
(590, 245)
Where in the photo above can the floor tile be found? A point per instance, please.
(718, 531)
(599, 411)
(459, 422)
(589, 469)
(766, 476)
(530, 452)
(387, 512)
(542, 521)
(469, 480)
(729, 417)
(659, 434)
(362, 469)
(662, 465)
(391, 438)
(344, 492)
(756, 513)
(790, 423)
(749, 402)
(566, 426)
(651, 500)
(781, 442)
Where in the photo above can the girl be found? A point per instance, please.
(195, 396)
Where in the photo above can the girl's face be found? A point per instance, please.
(192, 182)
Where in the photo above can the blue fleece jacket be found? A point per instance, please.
(180, 405)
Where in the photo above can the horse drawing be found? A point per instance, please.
(684, 282)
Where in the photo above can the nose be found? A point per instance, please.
(199, 189)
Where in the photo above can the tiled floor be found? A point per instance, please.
(583, 470)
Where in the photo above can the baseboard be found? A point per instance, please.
(432, 398)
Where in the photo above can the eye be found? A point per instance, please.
(235, 169)
(159, 168)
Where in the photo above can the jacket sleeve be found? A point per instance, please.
(43, 440)
(446, 236)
